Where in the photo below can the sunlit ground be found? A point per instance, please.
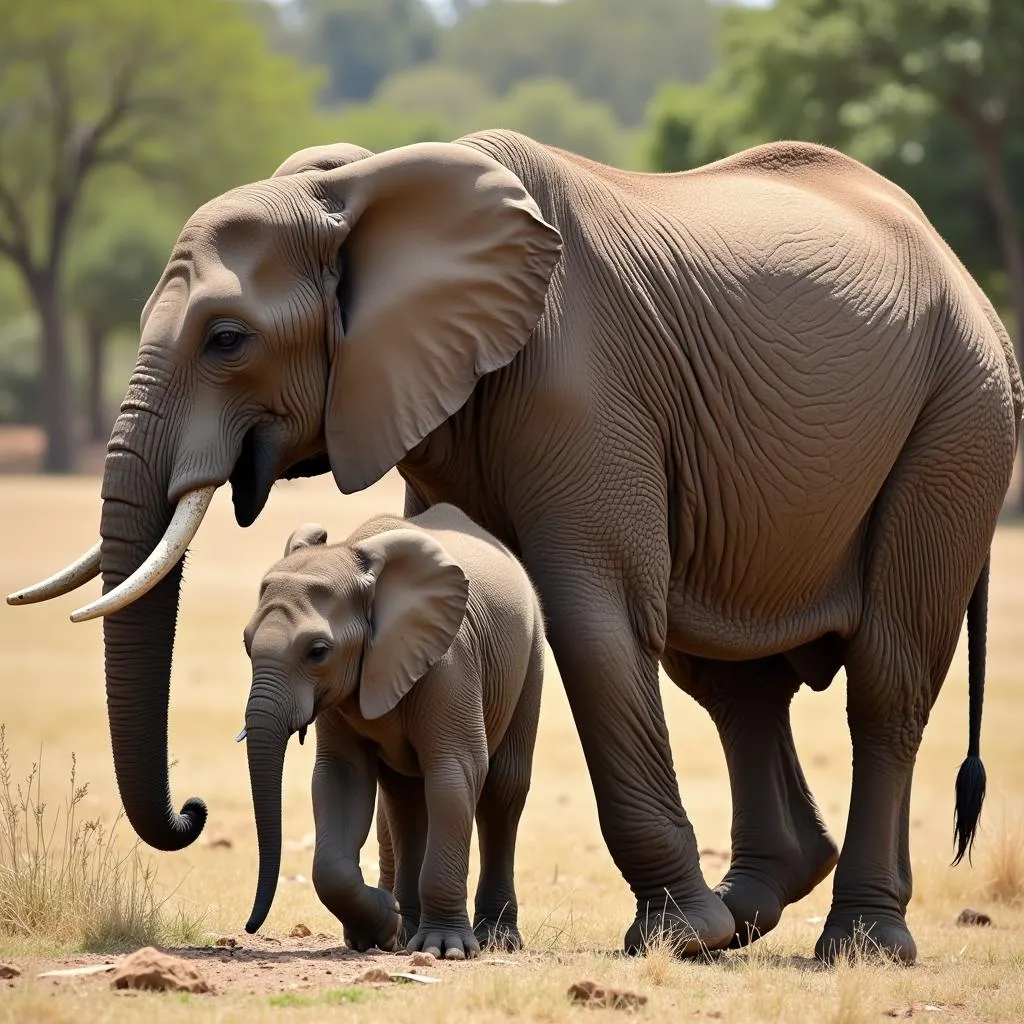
(574, 905)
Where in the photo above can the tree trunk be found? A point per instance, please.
(1005, 212)
(96, 344)
(54, 384)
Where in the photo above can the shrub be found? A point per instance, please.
(73, 884)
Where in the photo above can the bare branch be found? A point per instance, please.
(13, 252)
(16, 244)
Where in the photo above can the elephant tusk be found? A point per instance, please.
(70, 578)
(183, 527)
(241, 736)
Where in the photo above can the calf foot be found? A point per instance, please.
(885, 936)
(690, 928)
(757, 888)
(371, 921)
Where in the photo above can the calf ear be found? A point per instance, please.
(306, 536)
(418, 598)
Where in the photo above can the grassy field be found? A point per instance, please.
(575, 907)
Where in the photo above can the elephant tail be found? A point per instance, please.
(970, 780)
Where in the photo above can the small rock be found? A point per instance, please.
(223, 843)
(373, 976)
(226, 940)
(300, 931)
(9, 971)
(422, 960)
(589, 993)
(149, 969)
(973, 917)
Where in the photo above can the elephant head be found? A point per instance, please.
(333, 624)
(327, 318)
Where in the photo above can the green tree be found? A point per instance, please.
(612, 51)
(550, 111)
(113, 268)
(434, 90)
(361, 42)
(378, 126)
(184, 94)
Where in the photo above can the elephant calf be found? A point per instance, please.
(418, 647)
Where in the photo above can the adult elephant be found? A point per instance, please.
(754, 421)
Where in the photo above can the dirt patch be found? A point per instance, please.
(149, 970)
(263, 965)
(603, 997)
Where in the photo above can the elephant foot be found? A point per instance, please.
(446, 942)
(498, 935)
(373, 921)
(410, 926)
(884, 937)
(756, 889)
(691, 928)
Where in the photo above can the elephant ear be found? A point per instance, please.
(321, 158)
(308, 535)
(418, 598)
(444, 267)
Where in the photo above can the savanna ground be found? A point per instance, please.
(574, 905)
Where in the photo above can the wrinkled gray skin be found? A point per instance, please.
(752, 422)
(418, 648)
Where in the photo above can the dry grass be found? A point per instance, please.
(69, 883)
(574, 906)
(1004, 865)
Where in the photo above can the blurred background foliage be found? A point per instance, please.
(117, 119)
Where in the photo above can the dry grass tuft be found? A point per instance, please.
(853, 988)
(73, 886)
(1004, 862)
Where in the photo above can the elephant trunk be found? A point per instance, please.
(267, 732)
(139, 639)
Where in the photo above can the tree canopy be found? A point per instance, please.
(614, 52)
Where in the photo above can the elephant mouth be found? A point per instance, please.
(258, 468)
(253, 474)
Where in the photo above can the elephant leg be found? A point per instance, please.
(452, 784)
(403, 804)
(610, 674)
(781, 848)
(931, 530)
(343, 789)
(385, 848)
(496, 917)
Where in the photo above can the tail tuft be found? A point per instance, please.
(970, 795)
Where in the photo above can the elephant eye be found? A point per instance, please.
(318, 652)
(226, 339)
